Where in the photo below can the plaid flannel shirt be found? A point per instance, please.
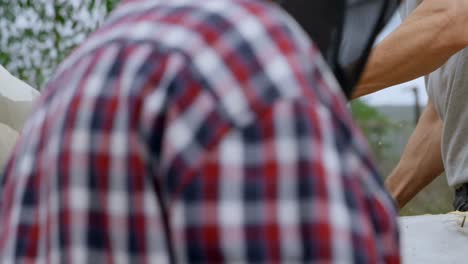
(194, 132)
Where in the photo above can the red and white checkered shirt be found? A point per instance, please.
(194, 132)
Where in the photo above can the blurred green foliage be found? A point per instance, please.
(37, 35)
(375, 126)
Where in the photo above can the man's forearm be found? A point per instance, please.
(424, 41)
(421, 161)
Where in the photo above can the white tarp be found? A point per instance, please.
(16, 100)
(434, 239)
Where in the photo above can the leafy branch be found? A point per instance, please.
(37, 35)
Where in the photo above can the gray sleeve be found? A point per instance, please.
(407, 6)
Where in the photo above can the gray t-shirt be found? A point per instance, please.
(447, 87)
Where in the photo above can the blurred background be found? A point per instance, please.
(36, 35)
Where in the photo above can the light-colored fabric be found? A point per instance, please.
(14, 113)
(448, 89)
(8, 137)
(14, 88)
(16, 100)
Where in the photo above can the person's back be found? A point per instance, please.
(194, 132)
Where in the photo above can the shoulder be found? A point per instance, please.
(248, 54)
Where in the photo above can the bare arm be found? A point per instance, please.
(421, 161)
(426, 39)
